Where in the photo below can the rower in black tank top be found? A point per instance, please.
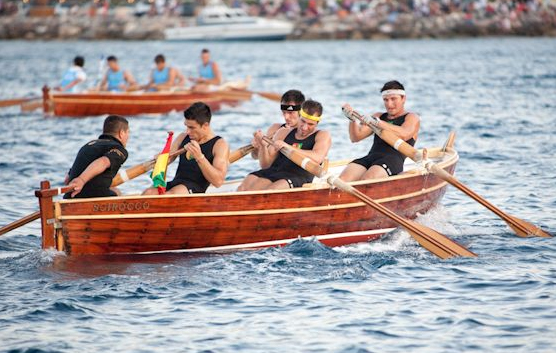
(383, 154)
(189, 173)
(283, 168)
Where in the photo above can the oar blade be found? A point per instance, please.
(525, 229)
(438, 244)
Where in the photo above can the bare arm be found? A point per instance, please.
(409, 129)
(358, 132)
(72, 84)
(180, 78)
(217, 75)
(98, 166)
(323, 141)
(270, 133)
(267, 153)
(176, 145)
(104, 83)
(129, 78)
(215, 173)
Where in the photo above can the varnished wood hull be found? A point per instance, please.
(134, 103)
(234, 220)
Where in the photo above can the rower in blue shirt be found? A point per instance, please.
(116, 79)
(164, 77)
(209, 73)
(73, 77)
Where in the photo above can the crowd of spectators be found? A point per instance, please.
(505, 14)
(295, 9)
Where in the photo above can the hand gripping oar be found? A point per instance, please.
(519, 226)
(430, 239)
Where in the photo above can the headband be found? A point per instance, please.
(388, 92)
(309, 116)
(290, 107)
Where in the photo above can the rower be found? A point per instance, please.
(115, 79)
(163, 77)
(290, 104)
(383, 160)
(278, 171)
(73, 77)
(98, 161)
(209, 73)
(206, 159)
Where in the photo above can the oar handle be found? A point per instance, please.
(388, 136)
(20, 222)
(240, 153)
(304, 162)
(139, 169)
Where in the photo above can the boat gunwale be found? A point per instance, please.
(451, 160)
(421, 192)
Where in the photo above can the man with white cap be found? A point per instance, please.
(383, 160)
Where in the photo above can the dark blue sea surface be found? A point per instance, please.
(498, 94)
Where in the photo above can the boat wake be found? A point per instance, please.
(400, 241)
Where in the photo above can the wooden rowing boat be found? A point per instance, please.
(136, 103)
(226, 220)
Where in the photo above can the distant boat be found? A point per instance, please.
(140, 102)
(219, 22)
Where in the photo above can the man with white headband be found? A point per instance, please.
(278, 171)
(383, 160)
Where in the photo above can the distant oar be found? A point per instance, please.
(269, 95)
(240, 153)
(436, 243)
(519, 226)
(15, 101)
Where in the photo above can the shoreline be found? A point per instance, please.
(324, 28)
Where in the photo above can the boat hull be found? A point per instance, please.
(129, 104)
(236, 220)
(259, 29)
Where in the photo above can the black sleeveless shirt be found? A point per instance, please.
(188, 168)
(282, 163)
(381, 147)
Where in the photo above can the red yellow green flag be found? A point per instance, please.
(158, 174)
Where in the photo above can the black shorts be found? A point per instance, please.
(391, 164)
(192, 186)
(294, 180)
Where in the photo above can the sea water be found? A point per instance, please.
(497, 94)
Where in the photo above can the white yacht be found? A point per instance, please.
(220, 22)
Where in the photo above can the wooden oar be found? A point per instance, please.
(436, 243)
(240, 153)
(519, 226)
(31, 105)
(20, 222)
(269, 95)
(139, 169)
(15, 101)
